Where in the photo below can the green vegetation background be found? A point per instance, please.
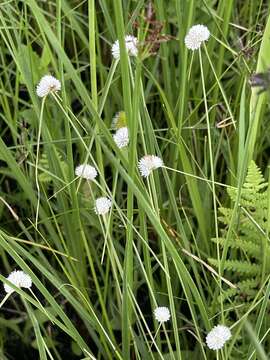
(197, 111)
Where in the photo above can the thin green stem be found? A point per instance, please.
(212, 180)
(37, 159)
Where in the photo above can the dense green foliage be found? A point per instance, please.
(97, 279)
(249, 247)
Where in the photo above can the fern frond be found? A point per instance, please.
(244, 289)
(238, 266)
(254, 179)
(253, 185)
(245, 244)
(248, 247)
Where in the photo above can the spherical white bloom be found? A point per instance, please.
(121, 137)
(119, 120)
(195, 36)
(162, 314)
(48, 84)
(86, 171)
(103, 205)
(19, 279)
(131, 43)
(217, 337)
(149, 163)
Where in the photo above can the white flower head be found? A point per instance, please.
(47, 85)
(19, 279)
(162, 314)
(119, 120)
(149, 163)
(103, 205)
(86, 171)
(131, 43)
(217, 337)
(195, 36)
(121, 137)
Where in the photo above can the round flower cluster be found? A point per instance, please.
(121, 138)
(131, 43)
(48, 84)
(217, 337)
(148, 163)
(103, 205)
(119, 123)
(19, 279)
(162, 314)
(196, 35)
(86, 171)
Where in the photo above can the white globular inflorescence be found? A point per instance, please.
(148, 163)
(162, 314)
(47, 85)
(131, 43)
(196, 35)
(103, 205)
(217, 337)
(121, 137)
(19, 279)
(86, 171)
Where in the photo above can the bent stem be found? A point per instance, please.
(154, 338)
(198, 177)
(39, 303)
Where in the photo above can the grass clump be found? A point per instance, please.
(123, 124)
